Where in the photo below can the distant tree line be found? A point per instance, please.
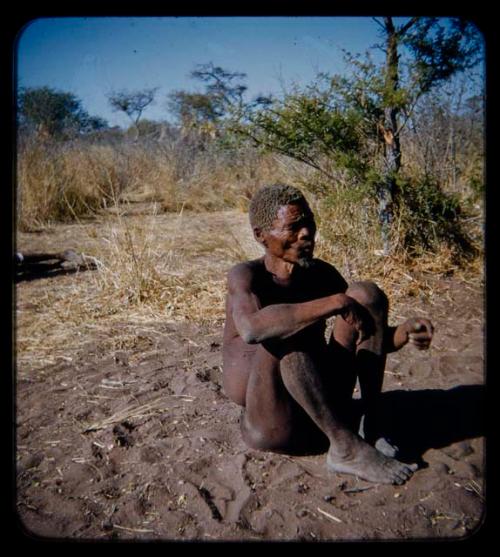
(55, 113)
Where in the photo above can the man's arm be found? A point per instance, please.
(417, 331)
(256, 324)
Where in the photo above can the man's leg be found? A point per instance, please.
(348, 453)
(269, 418)
(368, 358)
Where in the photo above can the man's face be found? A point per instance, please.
(291, 236)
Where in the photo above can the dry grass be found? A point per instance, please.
(62, 182)
(349, 238)
(156, 267)
(152, 270)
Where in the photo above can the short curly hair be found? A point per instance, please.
(266, 202)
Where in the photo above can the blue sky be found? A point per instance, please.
(90, 57)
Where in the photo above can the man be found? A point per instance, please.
(295, 386)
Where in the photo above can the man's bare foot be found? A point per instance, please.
(369, 464)
(382, 444)
(385, 447)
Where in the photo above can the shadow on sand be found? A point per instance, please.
(44, 272)
(433, 418)
(35, 266)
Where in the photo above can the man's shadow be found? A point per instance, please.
(416, 421)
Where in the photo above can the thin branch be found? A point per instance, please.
(408, 114)
(378, 23)
(406, 26)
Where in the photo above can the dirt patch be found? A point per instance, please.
(141, 442)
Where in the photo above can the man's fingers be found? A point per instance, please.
(423, 326)
(419, 336)
(421, 341)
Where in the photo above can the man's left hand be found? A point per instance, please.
(420, 332)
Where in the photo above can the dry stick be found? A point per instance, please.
(137, 530)
(328, 515)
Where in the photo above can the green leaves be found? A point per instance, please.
(441, 47)
(307, 126)
(55, 112)
(430, 216)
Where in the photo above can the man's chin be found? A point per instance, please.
(305, 262)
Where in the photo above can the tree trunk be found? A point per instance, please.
(386, 191)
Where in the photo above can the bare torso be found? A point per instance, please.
(319, 280)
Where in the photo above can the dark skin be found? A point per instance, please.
(295, 386)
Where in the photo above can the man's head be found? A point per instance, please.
(266, 202)
(283, 223)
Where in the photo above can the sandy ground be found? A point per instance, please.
(142, 444)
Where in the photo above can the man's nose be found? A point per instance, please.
(306, 232)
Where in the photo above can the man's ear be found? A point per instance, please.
(258, 234)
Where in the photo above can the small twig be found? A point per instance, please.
(137, 530)
(141, 411)
(303, 468)
(475, 488)
(328, 515)
(358, 489)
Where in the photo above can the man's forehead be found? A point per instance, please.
(294, 211)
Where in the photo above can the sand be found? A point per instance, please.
(143, 444)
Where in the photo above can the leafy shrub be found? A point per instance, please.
(428, 218)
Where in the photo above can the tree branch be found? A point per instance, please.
(400, 32)
(378, 23)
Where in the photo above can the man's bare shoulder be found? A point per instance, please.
(244, 272)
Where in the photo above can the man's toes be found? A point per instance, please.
(405, 475)
(406, 472)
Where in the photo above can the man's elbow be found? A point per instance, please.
(248, 332)
(249, 336)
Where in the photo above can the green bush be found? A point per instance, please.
(429, 218)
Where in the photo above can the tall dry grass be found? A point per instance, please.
(170, 264)
(68, 181)
(64, 181)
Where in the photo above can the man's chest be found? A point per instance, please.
(270, 292)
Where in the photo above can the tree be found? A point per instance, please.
(356, 121)
(132, 103)
(55, 113)
(445, 136)
(222, 97)
(221, 84)
(439, 50)
(310, 127)
(193, 109)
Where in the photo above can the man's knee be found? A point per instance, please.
(264, 436)
(367, 293)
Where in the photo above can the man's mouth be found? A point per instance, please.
(306, 250)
